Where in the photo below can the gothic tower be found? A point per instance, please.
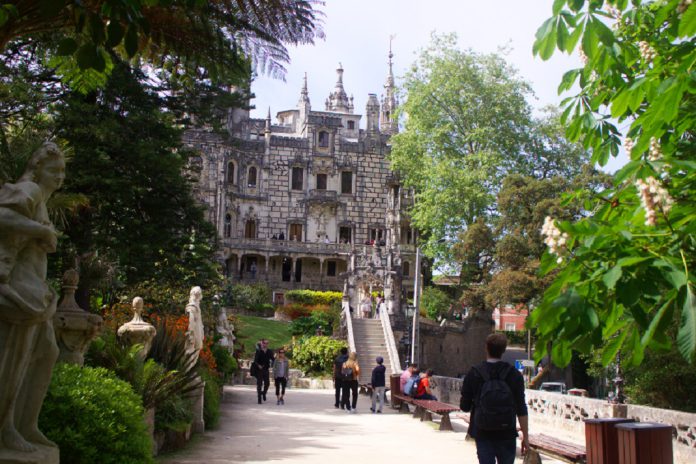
(387, 123)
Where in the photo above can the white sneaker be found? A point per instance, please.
(353, 411)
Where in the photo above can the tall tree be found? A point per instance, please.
(128, 161)
(625, 275)
(465, 121)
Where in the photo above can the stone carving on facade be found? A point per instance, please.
(74, 327)
(137, 331)
(27, 304)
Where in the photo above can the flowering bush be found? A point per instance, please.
(313, 297)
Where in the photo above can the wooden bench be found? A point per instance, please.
(568, 451)
(404, 401)
(430, 407)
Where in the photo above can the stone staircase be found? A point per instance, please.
(369, 343)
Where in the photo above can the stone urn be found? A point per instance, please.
(74, 327)
(137, 330)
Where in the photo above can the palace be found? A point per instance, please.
(309, 201)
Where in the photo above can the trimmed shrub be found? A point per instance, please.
(95, 417)
(248, 297)
(226, 364)
(516, 337)
(313, 297)
(315, 355)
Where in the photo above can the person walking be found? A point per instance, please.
(378, 385)
(338, 379)
(350, 373)
(494, 393)
(281, 373)
(263, 358)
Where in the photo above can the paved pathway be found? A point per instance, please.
(308, 429)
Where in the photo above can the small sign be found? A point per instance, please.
(518, 365)
(528, 362)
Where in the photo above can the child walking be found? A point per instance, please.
(378, 385)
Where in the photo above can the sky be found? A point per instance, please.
(357, 35)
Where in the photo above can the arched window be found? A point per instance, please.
(323, 139)
(251, 178)
(227, 232)
(407, 268)
(230, 173)
(250, 229)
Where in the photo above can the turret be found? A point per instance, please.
(389, 102)
(338, 99)
(372, 112)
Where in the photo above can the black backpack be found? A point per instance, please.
(346, 373)
(495, 406)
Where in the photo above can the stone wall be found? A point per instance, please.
(452, 349)
(567, 412)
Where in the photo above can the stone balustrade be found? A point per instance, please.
(287, 246)
(567, 412)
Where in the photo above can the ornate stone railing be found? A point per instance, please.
(392, 350)
(286, 246)
(323, 195)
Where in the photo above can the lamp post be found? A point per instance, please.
(416, 302)
(406, 338)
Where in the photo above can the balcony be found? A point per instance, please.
(278, 247)
(323, 196)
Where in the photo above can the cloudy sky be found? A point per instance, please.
(357, 36)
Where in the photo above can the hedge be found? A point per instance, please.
(313, 297)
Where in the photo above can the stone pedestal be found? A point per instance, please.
(137, 330)
(74, 327)
(197, 397)
(44, 455)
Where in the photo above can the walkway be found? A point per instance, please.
(308, 429)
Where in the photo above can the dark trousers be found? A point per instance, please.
(490, 450)
(262, 379)
(426, 396)
(350, 387)
(280, 382)
(338, 385)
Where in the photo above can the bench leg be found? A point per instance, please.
(418, 413)
(445, 423)
(403, 408)
(426, 416)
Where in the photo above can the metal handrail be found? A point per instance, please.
(392, 351)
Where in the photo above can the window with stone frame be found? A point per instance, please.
(323, 139)
(297, 178)
(351, 125)
(345, 234)
(228, 226)
(406, 235)
(250, 229)
(251, 177)
(376, 235)
(296, 232)
(321, 181)
(331, 268)
(347, 182)
(406, 266)
(230, 173)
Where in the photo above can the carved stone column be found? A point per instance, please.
(137, 330)
(74, 327)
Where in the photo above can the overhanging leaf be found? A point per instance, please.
(612, 276)
(686, 338)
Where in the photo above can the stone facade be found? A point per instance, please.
(295, 202)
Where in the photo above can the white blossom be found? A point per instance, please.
(653, 197)
(628, 144)
(583, 57)
(554, 238)
(655, 150)
(646, 51)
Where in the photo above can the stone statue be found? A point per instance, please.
(194, 334)
(137, 330)
(28, 348)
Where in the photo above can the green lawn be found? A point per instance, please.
(250, 329)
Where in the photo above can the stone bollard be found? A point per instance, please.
(74, 327)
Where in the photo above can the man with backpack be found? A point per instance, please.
(411, 387)
(494, 393)
(338, 378)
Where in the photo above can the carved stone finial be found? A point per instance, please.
(74, 327)
(137, 330)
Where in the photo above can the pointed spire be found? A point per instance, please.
(268, 121)
(304, 93)
(390, 76)
(389, 102)
(338, 99)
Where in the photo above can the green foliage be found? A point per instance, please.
(226, 364)
(466, 125)
(94, 417)
(212, 395)
(315, 355)
(249, 297)
(313, 297)
(435, 302)
(214, 39)
(175, 413)
(663, 380)
(629, 274)
(249, 330)
(515, 337)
